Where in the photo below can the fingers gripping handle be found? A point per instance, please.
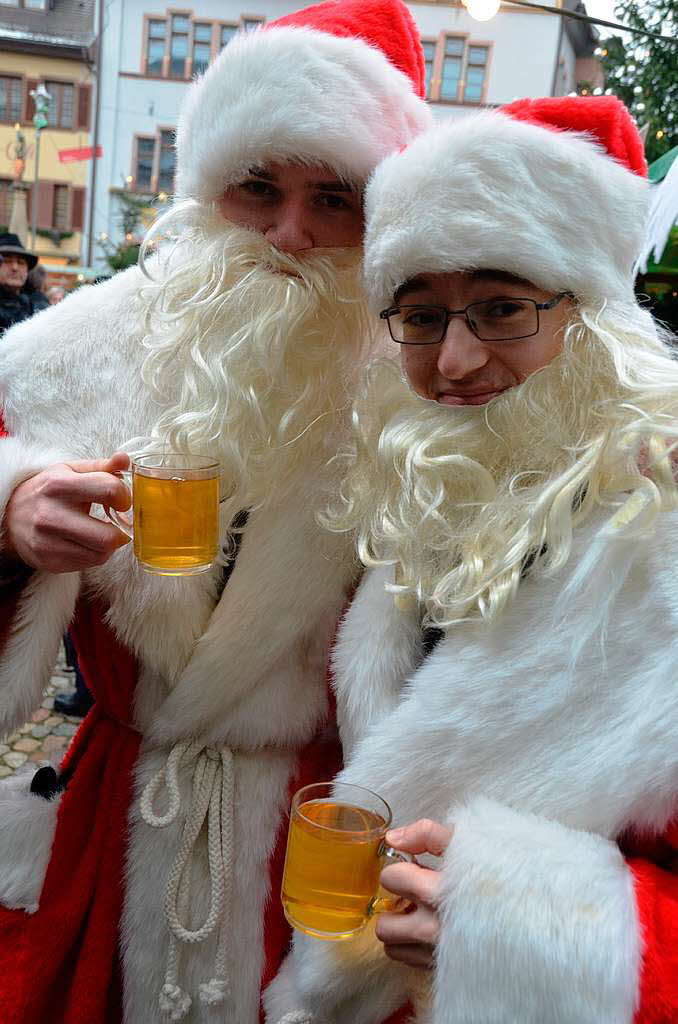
(121, 519)
(388, 903)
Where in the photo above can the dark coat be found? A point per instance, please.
(17, 306)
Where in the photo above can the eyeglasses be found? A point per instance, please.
(496, 319)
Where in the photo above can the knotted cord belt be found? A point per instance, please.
(211, 799)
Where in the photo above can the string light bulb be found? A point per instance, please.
(482, 10)
(660, 134)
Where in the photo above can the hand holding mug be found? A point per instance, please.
(412, 937)
(47, 523)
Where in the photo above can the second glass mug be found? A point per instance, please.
(175, 511)
(335, 853)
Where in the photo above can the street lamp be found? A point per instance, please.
(41, 99)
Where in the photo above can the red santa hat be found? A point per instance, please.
(339, 84)
(552, 190)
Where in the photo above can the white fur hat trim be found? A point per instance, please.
(492, 192)
(293, 94)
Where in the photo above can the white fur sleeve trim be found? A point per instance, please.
(538, 924)
(45, 609)
(378, 646)
(27, 827)
(18, 462)
(340, 982)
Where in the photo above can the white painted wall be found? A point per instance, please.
(523, 61)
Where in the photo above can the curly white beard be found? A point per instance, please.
(252, 353)
(463, 500)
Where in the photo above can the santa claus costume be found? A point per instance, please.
(142, 884)
(542, 729)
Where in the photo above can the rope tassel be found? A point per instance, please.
(212, 799)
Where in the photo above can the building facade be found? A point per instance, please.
(151, 52)
(48, 42)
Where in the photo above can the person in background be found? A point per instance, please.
(55, 294)
(516, 493)
(19, 299)
(241, 334)
(37, 279)
(78, 702)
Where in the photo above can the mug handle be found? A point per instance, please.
(390, 904)
(119, 518)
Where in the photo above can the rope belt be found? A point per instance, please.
(211, 799)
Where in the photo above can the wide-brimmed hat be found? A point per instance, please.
(339, 84)
(552, 190)
(10, 243)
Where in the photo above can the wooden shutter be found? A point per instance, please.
(45, 218)
(77, 209)
(31, 85)
(83, 107)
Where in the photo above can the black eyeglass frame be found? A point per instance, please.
(386, 314)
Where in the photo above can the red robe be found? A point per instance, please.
(73, 936)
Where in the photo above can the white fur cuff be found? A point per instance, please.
(18, 462)
(538, 924)
(27, 826)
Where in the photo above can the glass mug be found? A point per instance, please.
(335, 853)
(175, 512)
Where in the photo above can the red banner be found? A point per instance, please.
(71, 156)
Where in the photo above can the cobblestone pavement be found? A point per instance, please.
(47, 734)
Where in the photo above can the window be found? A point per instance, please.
(429, 58)
(60, 112)
(456, 69)
(227, 33)
(453, 57)
(143, 170)
(60, 219)
(179, 46)
(155, 47)
(60, 207)
(10, 99)
(202, 46)
(170, 42)
(154, 162)
(5, 201)
(476, 67)
(36, 5)
(166, 162)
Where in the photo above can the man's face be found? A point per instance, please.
(13, 271)
(463, 369)
(296, 207)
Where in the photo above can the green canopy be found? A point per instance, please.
(660, 168)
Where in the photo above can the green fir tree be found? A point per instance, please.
(643, 72)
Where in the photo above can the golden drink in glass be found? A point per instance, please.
(335, 851)
(175, 518)
(176, 523)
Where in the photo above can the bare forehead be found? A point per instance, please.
(447, 281)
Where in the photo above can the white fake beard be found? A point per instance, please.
(253, 354)
(463, 500)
